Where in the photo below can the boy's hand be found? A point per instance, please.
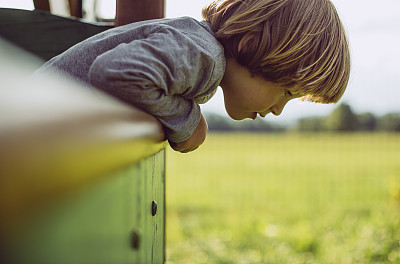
(195, 140)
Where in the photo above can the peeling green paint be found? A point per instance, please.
(95, 225)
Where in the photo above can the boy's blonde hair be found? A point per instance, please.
(293, 43)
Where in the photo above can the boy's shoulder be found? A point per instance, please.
(198, 31)
(183, 23)
(201, 32)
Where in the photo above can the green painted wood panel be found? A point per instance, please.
(97, 224)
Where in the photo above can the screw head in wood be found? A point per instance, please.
(153, 208)
(135, 239)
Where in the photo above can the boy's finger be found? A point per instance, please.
(189, 150)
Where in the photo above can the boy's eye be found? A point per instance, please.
(288, 93)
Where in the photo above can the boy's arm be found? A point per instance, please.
(195, 140)
(159, 75)
(179, 116)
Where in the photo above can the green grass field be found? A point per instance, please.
(285, 198)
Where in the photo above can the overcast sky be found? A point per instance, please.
(374, 34)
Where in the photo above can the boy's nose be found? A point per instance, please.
(276, 112)
(278, 108)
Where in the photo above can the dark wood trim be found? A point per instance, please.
(44, 34)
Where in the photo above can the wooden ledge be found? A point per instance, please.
(57, 135)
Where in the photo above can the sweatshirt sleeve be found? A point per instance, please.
(161, 74)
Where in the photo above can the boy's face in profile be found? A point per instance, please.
(246, 95)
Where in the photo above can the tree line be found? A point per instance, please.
(341, 119)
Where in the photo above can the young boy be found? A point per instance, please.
(262, 53)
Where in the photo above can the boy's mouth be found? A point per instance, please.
(254, 116)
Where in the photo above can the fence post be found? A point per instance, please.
(129, 11)
(42, 5)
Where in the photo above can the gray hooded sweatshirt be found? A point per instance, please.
(165, 67)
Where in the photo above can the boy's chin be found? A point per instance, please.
(238, 117)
